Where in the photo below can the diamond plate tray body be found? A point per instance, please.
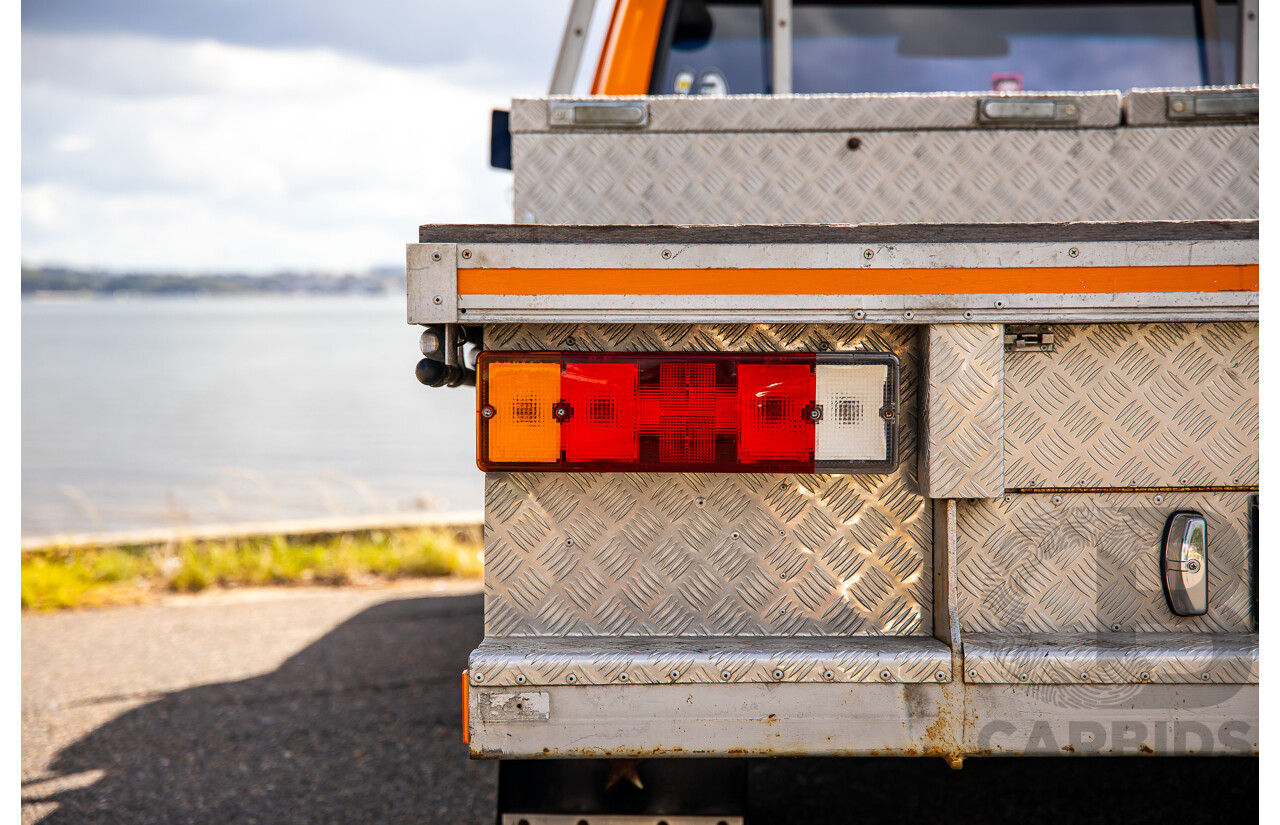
(962, 411)
(857, 112)
(1112, 658)
(707, 660)
(676, 554)
(1088, 563)
(1173, 173)
(1153, 405)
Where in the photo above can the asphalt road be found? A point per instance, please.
(342, 706)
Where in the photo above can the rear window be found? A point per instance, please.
(720, 47)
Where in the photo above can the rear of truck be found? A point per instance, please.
(860, 423)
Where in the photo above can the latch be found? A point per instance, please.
(1013, 110)
(1184, 561)
(597, 113)
(1213, 105)
(1028, 339)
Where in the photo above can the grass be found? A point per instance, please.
(58, 578)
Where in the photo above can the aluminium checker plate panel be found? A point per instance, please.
(962, 411)
(626, 554)
(1135, 405)
(970, 175)
(1087, 563)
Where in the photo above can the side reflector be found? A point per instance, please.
(688, 412)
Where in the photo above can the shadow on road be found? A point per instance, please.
(364, 725)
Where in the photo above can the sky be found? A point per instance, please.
(267, 135)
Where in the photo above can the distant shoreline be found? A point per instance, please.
(73, 284)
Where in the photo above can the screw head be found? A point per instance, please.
(1069, 109)
(1073, 252)
(486, 411)
(815, 414)
(868, 254)
(466, 253)
(666, 254)
(1193, 565)
(437, 300)
(436, 256)
(1008, 498)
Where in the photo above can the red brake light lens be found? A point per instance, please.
(686, 412)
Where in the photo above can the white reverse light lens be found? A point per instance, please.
(851, 428)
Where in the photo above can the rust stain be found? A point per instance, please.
(1147, 750)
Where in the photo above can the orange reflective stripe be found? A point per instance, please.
(466, 711)
(978, 281)
(626, 61)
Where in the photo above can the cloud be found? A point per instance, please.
(198, 155)
(507, 36)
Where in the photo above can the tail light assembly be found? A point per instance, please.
(688, 412)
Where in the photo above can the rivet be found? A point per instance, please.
(520, 678)
(828, 675)
(854, 144)
(1159, 499)
(859, 314)
(777, 674)
(435, 256)
(622, 677)
(1204, 677)
(1057, 499)
(568, 342)
(571, 679)
(999, 304)
(666, 254)
(1144, 676)
(782, 532)
(908, 315)
(1179, 106)
(1085, 675)
(700, 501)
(568, 542)
(973, 674)
(1023, 676)
(1069, 110)
(941, 676)
(1115, 627)
(466, 253)
(967, 315)
(885, 675)
(1008, 498)
(675, 674)
(725, 675)
(735, 534)
(479, 677)
(437, 300)
(868, 254)
(1073, 252)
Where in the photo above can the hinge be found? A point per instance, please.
(1028, 339)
